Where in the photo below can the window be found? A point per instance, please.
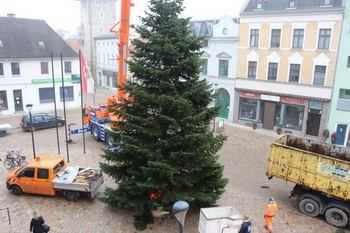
(344, 100)
(3, 100)
(259, 6)
(68, 93)
(206, 44)
(294, 73)
(102, 15)
(275, 38)
(223, 68)
(97, 2)
(348, 65)
(344, 94)
(15, 68)
(320, 74)
(248, 109)
(298, 38)
(28, 172)
(291, 116)
(106, 3)
(44, 67)
(67, 67)
(58, 167)
(327, 2)
(324, 39)
(204, 66)
(1, 69)
(291, 4)
(224, 31)
(254, 37)
(46, 95)
(252, 69)
(272, 75)
(43, 173)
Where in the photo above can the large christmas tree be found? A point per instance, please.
(168, 152)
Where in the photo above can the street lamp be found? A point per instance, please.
(180, 209)
(29, 107)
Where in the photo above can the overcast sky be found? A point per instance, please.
(65, 14)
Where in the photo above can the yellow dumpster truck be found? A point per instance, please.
(321, 172)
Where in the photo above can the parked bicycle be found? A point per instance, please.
(14, 159)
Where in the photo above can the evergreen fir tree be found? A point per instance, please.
(168, 152)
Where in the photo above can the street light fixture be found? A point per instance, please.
(180, 209)
(29, 107)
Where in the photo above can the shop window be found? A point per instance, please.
(320, 75)
(223, 68)
(68, 93)
(46, 95)
(250, 109)
(1, 69)
(67, 67)
(254, 37)
(44, 67)
(294, 73)
(204, 66)
(15, 68)
(252, 69)
(3, 100)
(272, 75)
(289, 116)
(275, 38)
(298, 38)
(324, 39)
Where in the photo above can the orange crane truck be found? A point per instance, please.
(49, 175)
(97, 118)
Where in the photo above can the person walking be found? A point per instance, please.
(270, 212)
(246, 225)
(36, 225)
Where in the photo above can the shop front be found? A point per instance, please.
(295, 115)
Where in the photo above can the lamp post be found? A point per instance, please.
(29, 107)
(180, 209)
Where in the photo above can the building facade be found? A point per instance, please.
(339, 115)
(97, 18)
(219, 59)
(27, 73)
(286, 61)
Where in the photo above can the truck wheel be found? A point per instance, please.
(336, 217)
(110, 141)
(95, 133)
(16, 190)
(309, 207)
(72, 196)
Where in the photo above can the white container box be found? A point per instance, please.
(219, 220)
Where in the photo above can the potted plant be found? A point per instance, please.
(255, 124)
(279, 130)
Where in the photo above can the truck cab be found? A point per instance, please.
(36, 177)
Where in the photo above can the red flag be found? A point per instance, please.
(88, 84)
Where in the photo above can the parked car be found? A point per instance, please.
(41, 121)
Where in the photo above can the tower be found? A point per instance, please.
(97, 17)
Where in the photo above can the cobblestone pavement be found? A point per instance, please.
(244, 155)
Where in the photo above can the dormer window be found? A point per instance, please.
(327, 2)
(1, 44)
(259, 6)
(41, 44)
(291, 4)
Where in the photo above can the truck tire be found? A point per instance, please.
(110, 141)
(337, 217)
(309, 207)
(95, 133)
(72, 196)
(16, 190)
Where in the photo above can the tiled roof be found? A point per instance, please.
(30, 38)
(290, 6)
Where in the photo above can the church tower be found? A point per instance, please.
(97, 17)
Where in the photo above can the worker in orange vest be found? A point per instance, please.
(270, 212)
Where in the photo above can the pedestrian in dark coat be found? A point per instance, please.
(36, 225)
(246, 226)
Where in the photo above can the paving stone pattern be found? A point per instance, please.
(244, 156)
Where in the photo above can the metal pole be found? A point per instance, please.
(31, 130)
(64, 107)
(54, 100)
(82, 102)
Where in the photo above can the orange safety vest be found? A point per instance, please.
(271, 209)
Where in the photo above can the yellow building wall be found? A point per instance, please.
(309, 52)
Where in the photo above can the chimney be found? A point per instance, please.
(11, 15)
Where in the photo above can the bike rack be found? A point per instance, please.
(8, 213)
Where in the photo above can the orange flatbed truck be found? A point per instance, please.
(49, 175)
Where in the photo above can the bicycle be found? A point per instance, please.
(14, 159)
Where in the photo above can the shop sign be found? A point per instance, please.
(250, 95)
(296, 101)
(49, 80)
(270, 98)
